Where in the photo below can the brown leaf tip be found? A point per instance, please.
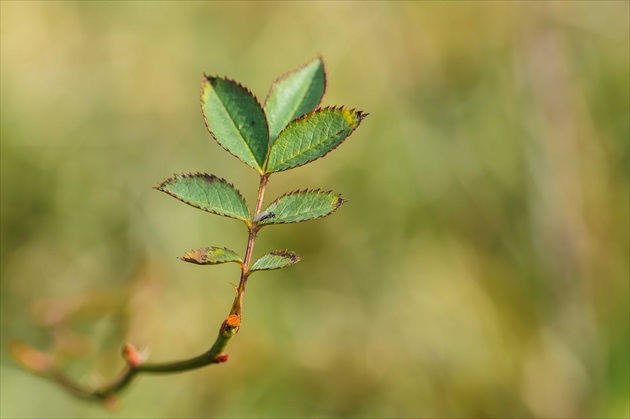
(199, 256)
(211, 79)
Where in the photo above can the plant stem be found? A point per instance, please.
(237, 307)
(33, 359)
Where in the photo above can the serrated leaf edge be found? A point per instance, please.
(212, 178)
(295, 70)
(338, 204)
(289, 254)
(206, 79)
(183, 258)
(360, 116)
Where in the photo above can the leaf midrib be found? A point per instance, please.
(238, 129)
(310, 148)
(223, 210)
(300, 211)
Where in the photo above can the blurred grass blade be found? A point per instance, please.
(294, 94)
(211, 256)
(208, 193)
(311, 137)
(298, 206)
(277, 259)
(236, 120)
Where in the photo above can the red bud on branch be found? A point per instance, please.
(221, 358)
(131, 355)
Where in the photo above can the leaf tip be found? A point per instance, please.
(198, 256)
(210, 79)
(163, 184)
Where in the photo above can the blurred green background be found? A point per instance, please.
(480, 268)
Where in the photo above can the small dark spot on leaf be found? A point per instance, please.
(212, 80)
(209, 178)
(286, 254)
(252, 123)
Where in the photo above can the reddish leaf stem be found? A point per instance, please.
(237, 307)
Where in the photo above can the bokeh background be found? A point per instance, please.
(480, 268)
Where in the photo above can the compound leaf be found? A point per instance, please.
(294, 94)
(211, 256)
(311, 137)
(275, 260)
(235, 119)
(208, 193)
(298, 206)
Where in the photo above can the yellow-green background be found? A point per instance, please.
(480, 268)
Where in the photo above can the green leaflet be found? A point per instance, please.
(300, 206)
(236, 120)
(208, 193)
(311, 137)
(211, 256)
(296, 93)
(275, 260)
